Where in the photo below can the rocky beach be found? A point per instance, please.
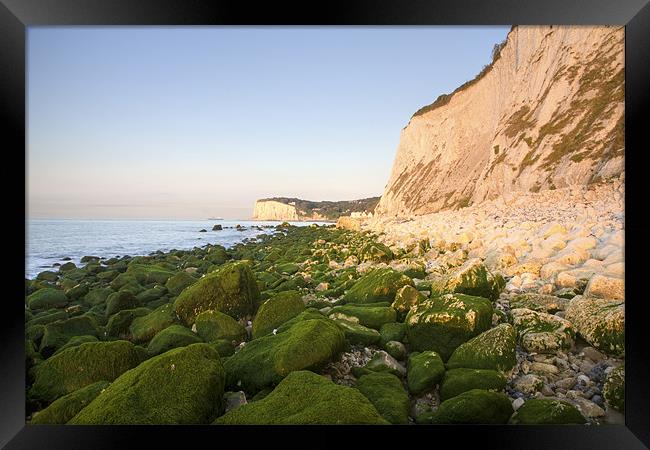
(485, 286)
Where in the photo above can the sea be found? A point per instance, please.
(48, 241)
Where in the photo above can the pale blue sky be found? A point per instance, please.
(195, 122)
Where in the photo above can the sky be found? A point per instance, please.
(198, 122)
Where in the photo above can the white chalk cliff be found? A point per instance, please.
(272, 210)
(546, 114)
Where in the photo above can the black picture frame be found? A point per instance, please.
(16, 15)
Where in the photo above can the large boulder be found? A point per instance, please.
(80, 366)
(175, 284)
(539, 302)
(457, 381)
(477, 406)
(276, 311)
(119, 323)
(181, 386)
(172, 337)
(68, 406)
(379, 285)
(149, 273)
(493, 349)
(215, 325)
(443, 323)
(541, 332)
(144, 328)
(57, 334)
(547, 411)
(376, 251)
(368, 316)
(231, 289)
(46, 298)
(386, 393)
(472, 278)
(424, 371)
(304, 398)
(358, 334)
(600, 322)
(118, 301)
(308, 344)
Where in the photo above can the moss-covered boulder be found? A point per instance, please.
(368, 316)
(144, 328)
(472, 278)
(230, 289)
(172, 337)
(68, 406)
(76, 341)
(97, 296)
(477, 406)
(276, 311)
(547, 411)
(394, 331)
(120, 300)
(405, 298)
(443, 323)
(383, 362)
(614, 389)
(541, 332)
(396, 349)
(215, 325)
(223, 347)
(46, 298)
(175, 284)
(379, 285)
(80, 366)
(386, 393)
(304, 398)
(424, 371)
(494, 349)
(457, 381)
(122, 280)
(181, 386)
(119, 323)
(57, 334)
(600, 322)
(376, 251)
(308, 344)
(149, 273)
(151, 294)
(47, 317)
(47, 275)
(358, 334)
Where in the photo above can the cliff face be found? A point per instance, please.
(283, 208)
(272, 210)
(547, 113)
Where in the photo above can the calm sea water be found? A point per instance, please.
(49, 241)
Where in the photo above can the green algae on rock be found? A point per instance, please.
(493, 349)
(176, 283)
(144, 328)
(230, 289)
(215, 325)
(600, 322)
(546, 411)
(308, 344)
(393, 331)
(541, 332)
(306, 398)
(472, 278)
(119, 323)
(181, 386)
(405, 298)
(386, 393)
(424, 371)
(80, 366)
(65, 408)
(358, 334)
(443, 323)
(476, 406)
(368, 316)
(172, 337)
(457, 381)
(46, 298)
(377, 286)
(276, 311)
(57, 334)
(614, 389)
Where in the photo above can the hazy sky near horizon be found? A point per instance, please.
(195, 122)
